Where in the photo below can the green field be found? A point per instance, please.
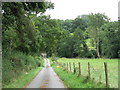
(97, 69)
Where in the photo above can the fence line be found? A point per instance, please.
(68, 67)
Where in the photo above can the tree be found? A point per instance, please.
(80, 46)
(67, 25)
(96, 21)
(49, 33)
(16, 19)
(109, 45)
(79, 23)
(66, 45)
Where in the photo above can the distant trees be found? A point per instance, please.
(96, 21)
(66, 45)
(80, 44)
(110, 43)
(89, 36)
(67, 25)
(26, 35)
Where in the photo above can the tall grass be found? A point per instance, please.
(24, 79)
(16, 63)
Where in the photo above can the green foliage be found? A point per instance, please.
(15, 63)
(65, 48)
(88, 36)
(16, 20)
(109, 45)
(48, 33)
(85, 36)
(67, 25)
(79, 23)
(95, 22)
(54, 59)
(21, 38)
(9, 39)
(80, 44)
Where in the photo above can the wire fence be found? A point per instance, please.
(98, 74)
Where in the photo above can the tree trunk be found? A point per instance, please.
(98, 44)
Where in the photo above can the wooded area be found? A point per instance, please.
(26, 34)
(88, 36)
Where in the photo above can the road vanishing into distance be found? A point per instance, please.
(47, 78)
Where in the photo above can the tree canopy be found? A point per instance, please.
(86, 36)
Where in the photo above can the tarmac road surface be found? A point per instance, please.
(47, 78)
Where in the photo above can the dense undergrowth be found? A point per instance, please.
(23, 80)
(16, 63)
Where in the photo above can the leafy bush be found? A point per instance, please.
(16, 63)
(91, 54)
(39, 60)
(54, 59)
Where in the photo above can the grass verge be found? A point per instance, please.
(72, 81)
(24, 79)
(97, 69)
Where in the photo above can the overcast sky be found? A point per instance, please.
(70, 9)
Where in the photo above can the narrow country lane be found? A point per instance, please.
(47, 78)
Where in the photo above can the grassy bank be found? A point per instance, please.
(97, 69)
(24, 79)
(72, 81)
(16, 64)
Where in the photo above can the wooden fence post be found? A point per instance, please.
(100, 79)
(106, 74)
(67, 66)
(89, 70)
(63, 65)
(79, 69)
(74, 71)
(60, 64)
(70, 66)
